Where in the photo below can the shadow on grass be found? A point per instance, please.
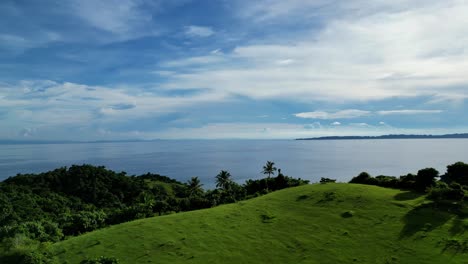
(425, 218)
(454, 245)
(408, 195)
(459, 226)
(302, 197)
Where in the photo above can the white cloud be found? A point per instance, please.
(408, 112)
(408, 49)
(117, 16)
(216, 51)
(27, 132)
(285, 62)
(270, 10)
(362, 124)
(343, 114)
(17, 43)
(355, 113)
(194, 61)
(276, 11)
(49, 103)
(198, 31)
(282, 131)
(315, 125)
(336, 123)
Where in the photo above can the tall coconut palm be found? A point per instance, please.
(223, 180)
(269, 169)
(195, 187)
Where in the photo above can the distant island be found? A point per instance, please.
(401, 136)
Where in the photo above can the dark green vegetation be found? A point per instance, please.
(419, 219)
(319, 223)
(452, 188)
(51, 206)
(403, 136)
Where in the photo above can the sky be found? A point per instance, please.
(264, 69)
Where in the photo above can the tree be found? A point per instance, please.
(223, 180)
(160, 207)
(362, 178)
(425, 178)
(194, 187)
(457, 172)
(327, 180)
(269, 169)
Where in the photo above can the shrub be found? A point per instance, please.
(386, 181)
(425, 178)
(347, 214)
(100, 260)
(83, 221)
(362, 178)
(37, 230)
(328, 197)
(34, 257)
(407, 181)
(457, 172)
(442, 192)
(327, 180)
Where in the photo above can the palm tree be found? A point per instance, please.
(223, 180)
(194, 187)
(269, 169)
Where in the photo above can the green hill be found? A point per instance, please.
(321, 223)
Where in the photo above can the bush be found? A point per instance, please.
(347, 214)
(327, 180)
(100, 260)
(442, 191)
(457, 172)
(37, 230)
(386, 181)
(31, 254)
(407, 181)
(425, 178)
(83, 221)
(34, 257)
(362, 178)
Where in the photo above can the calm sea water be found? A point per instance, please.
(339, 159)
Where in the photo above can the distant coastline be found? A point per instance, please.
(401, 136)
(390, 136)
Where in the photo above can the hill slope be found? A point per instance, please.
(331, 223)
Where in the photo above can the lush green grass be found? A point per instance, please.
(330, 223)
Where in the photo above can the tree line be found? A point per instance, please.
(449, 187)
(50, 206)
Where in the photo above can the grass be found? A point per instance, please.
(321, 223)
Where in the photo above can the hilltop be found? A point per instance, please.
(319, 223)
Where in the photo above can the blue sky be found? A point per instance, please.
(137, 69)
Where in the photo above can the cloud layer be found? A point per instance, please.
(354, 113)
(403, 50)
(264, 69)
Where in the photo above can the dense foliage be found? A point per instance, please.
(100, 260)
(452, 186)
(50, 206)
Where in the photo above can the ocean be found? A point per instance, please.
(182, 159)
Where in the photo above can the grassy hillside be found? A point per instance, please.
(330, 223)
